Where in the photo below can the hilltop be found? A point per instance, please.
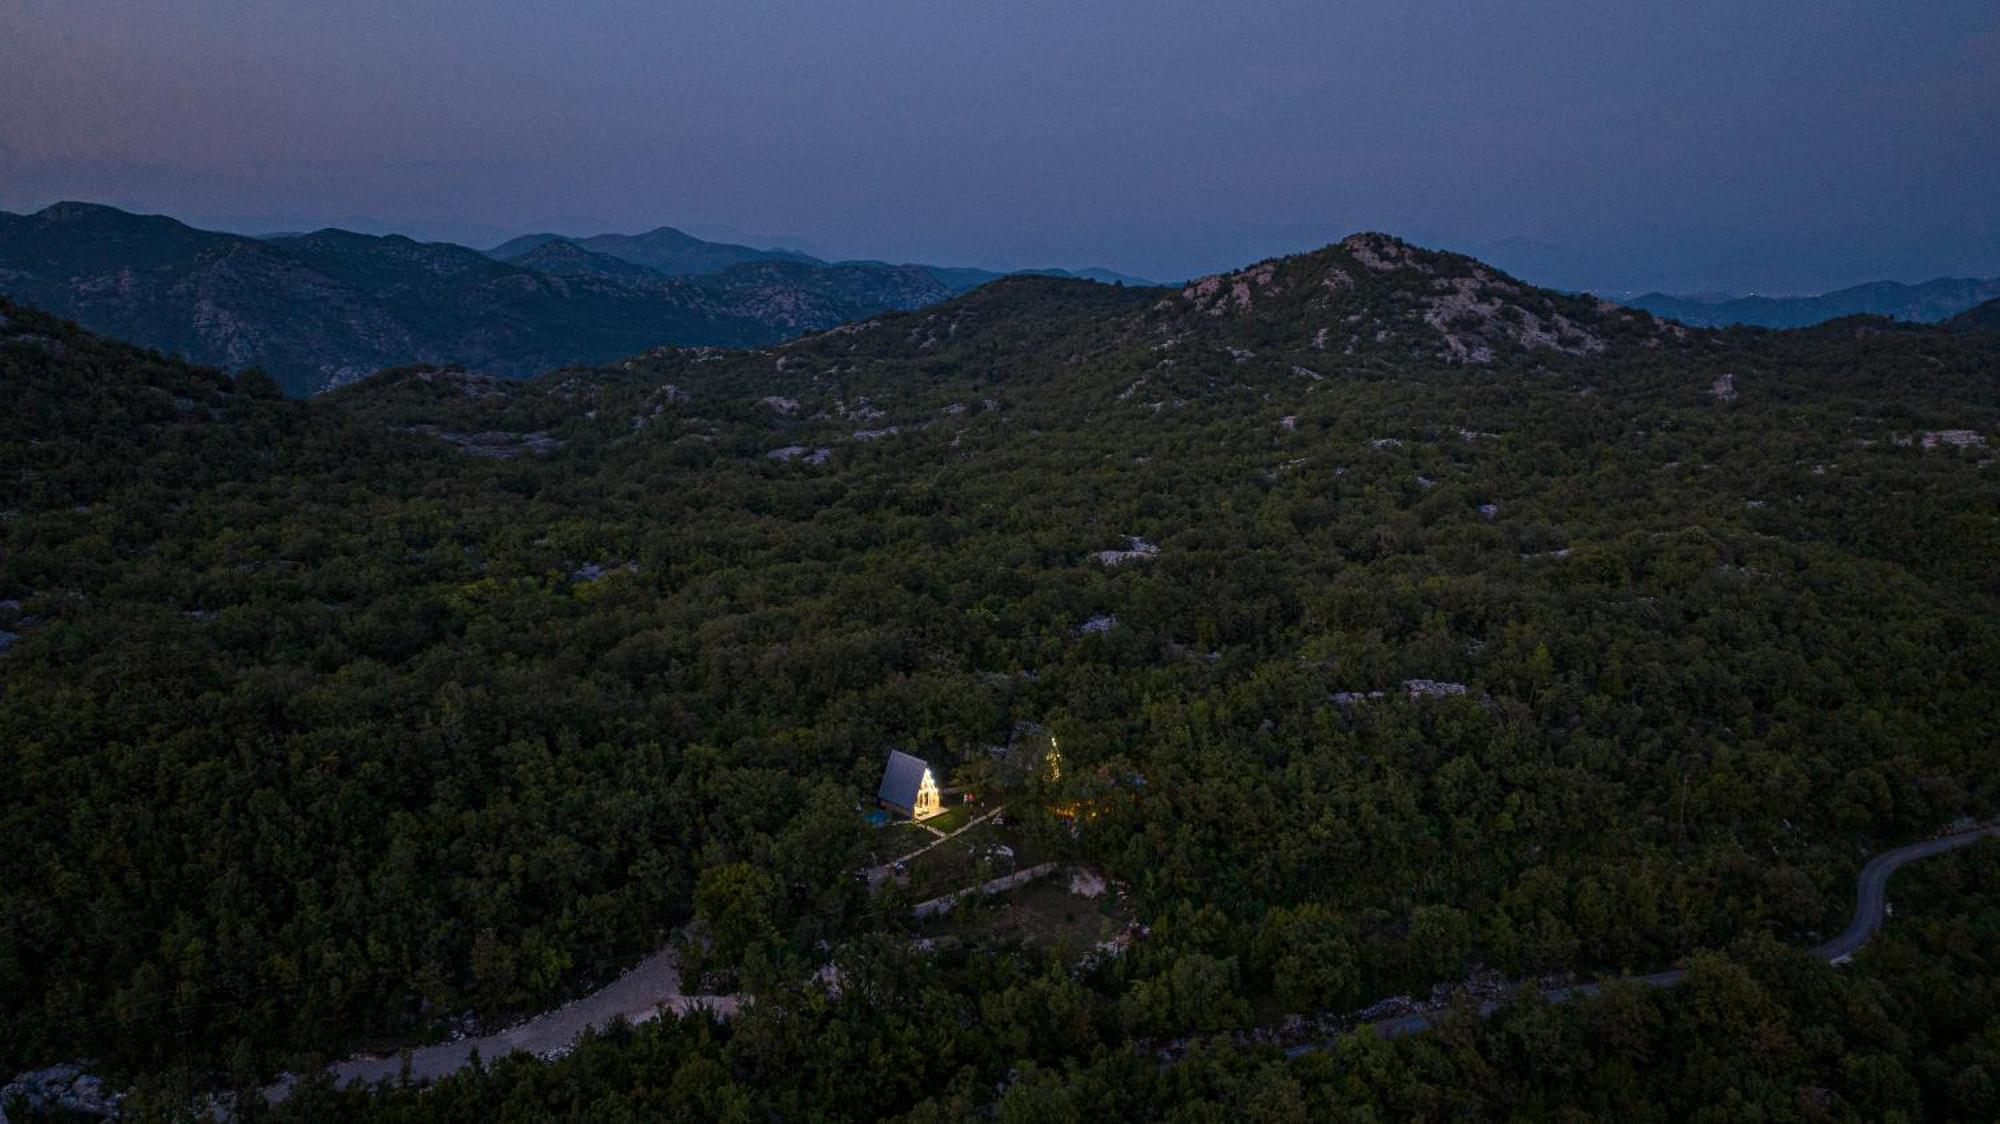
(1376, 295)
(664, 250)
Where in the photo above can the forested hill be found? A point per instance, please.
(1982, 318)
(84, 418)
(1397, 620)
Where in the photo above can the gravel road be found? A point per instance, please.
(636, 996)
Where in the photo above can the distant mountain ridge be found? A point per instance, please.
(567, 259)
(664, 250)
(676, 253)
(317, 310)
(321, 309)
(1926, 303)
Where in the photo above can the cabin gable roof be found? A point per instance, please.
(901, 779)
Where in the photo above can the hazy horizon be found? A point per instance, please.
(1775, 147)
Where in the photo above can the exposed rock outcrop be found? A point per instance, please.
(65, 1088)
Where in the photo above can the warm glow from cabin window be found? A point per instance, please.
(927, 797)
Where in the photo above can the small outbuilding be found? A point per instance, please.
(908, 787)
(1032, 754)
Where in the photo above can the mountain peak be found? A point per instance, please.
(71, 212)
(661, 250)
(1384, 253)
(1373, 292)
(564, 258)
(674, 234)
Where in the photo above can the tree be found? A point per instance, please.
(1307, 954)
(735, 902)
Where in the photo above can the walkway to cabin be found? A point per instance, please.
(879, 874)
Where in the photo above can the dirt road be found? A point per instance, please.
(636, 996)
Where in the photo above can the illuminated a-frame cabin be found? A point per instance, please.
(908, 788)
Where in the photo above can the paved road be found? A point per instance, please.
(1873, 885)
(636, 996)
(1869, 909)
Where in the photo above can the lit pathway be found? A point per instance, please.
(878, 874)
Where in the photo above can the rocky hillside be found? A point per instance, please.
(1373, 295)
(799, 298)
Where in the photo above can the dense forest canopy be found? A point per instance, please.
(1475, 627)
(1758, 1032)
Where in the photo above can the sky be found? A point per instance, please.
(1697, 145)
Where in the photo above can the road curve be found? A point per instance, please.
(1870, 906)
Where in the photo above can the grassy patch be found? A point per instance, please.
(954, 817)
(885, 843)
(970, 858)
(1041, 913)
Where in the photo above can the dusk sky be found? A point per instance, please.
(1775, 145)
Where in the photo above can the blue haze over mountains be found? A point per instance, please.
(320, 309)
(1776, 147)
